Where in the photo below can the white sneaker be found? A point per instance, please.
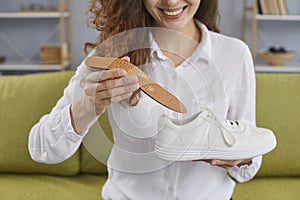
(202, 136)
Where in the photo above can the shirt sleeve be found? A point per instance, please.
(242, 107)
(53, 139)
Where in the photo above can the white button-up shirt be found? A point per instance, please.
(219, 73)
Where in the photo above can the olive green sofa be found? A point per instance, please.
(24, 99)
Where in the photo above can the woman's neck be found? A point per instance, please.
(178, 45)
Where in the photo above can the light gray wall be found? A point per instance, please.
(81, 32)
(28, 36)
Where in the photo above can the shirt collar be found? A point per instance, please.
(204, 49)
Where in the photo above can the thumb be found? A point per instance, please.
(126, 58)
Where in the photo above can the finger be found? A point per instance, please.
(114, 99)
(207, 161)
(230, 163)
(96, 77)
(112, 88)
(119, 72)
(113, 83)
(111, 93)
(126, 58)
(223, 166)
(103, 73)
(91, 83)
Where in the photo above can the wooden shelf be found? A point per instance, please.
(277, 69)
(17, 65)
(278, 17)
(26, 63)
(31, 15)
(256, 18)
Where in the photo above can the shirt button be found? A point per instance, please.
(170, 189)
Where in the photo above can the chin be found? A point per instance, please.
(173, 27)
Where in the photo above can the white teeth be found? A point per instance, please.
(173, 13)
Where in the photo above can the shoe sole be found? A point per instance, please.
(200, 153)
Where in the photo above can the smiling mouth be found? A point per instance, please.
(173, 12)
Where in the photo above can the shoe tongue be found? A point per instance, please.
(210, 114)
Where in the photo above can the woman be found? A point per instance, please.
(216, 69)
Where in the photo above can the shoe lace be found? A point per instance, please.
(227, 136)
(231, 123)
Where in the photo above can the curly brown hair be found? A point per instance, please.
(111, 17)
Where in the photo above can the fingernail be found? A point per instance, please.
(214, 162)
(121, 72)
(132, 79)
(135, 86)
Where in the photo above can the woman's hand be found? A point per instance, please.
(228, 164)
(110, 86)
(101, 88)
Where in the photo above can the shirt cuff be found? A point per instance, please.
(246, 172)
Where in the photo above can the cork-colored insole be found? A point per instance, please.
(147, 85)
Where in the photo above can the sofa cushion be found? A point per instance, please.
(278, 108)
(96, 147)
(268, 188)
(23, 101)
(37, 187)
